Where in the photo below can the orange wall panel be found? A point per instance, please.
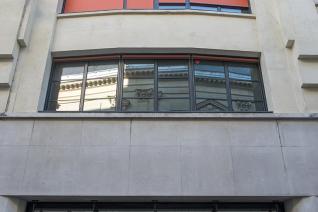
(92, 5)
(234, 3)
(140, 4)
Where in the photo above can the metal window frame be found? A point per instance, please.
(156, 206)
(187, 6)
(191, 86)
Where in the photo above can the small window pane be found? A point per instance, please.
(66, 87)
(244, 72)
(210, 86)
(173, 83)
(101, 86)
(231, 10)
(203, 7)
(174, 105)
(138, 86)
(171, 6)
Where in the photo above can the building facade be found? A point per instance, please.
(158, 105)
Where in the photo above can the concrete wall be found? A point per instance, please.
(148, 157)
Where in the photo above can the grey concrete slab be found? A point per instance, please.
(303, 133)
(253, 133)
(155, 171)
(207, 171)
(15, 132)
(56, 132)
(194, 132)
(103, 170)
(259, 171)
(106, 133)
(12, 167)
(51, 170)
(302, 169)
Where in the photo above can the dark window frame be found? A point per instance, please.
(180, 6)
(156, 58)
(154, 206)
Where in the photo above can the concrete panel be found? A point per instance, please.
(106, 133)
(299, 133)
(103, 171)
(57, 133)
(51, 170)
(15, 132)
(207, 171)
(196, 133)
(155, 171)
(259, 171)
(145, 30)
(12, 167)
(302, 169)
(253, 133)
(10, 204)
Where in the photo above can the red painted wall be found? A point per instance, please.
(140, 4)
(92, 5)
(171, 1)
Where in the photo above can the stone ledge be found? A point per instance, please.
(154, 12)
(215, 116)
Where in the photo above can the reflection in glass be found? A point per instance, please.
(203, 7)
(101, 85)
(246, 89)
(138, 86)
(66, 87)
(172, 6)
(210, 86)
(173, 86)
(231, 10)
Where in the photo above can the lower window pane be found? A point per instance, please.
(211, 105)
(137, 105)
(101, 86)
(174, 105)
(244, 106)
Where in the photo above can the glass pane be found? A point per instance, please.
(231, 10)
(138, 86)
(171, 6)
(174, 105)
(173, 83)
(212, 105)
(202, 7)
(66, 87)
(209, 80)
(244, 72)
(138, 105)
(101, 86)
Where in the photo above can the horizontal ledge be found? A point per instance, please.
(309, 85)
(156, 50)
(308, 57)
(215, 116)
(6, 56)
(154, 12)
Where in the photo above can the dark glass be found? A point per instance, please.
(101, 86)
(246, 88)
(138, 86)
(171, 6)
(210, 86)
(66, 87)
(173, 86)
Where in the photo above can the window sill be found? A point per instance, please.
(155, 12)
(158, 116)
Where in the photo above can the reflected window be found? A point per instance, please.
(202, 84)
(66, 87)
(210, 86)
(173, 86)
(101, 86)
(138, 86)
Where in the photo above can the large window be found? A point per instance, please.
(156, 83)
(154, 207)
(232, 6)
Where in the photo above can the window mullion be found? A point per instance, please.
(120, 84)
(228, 87)
(192, 85)
(83, 87)
(156, 100)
